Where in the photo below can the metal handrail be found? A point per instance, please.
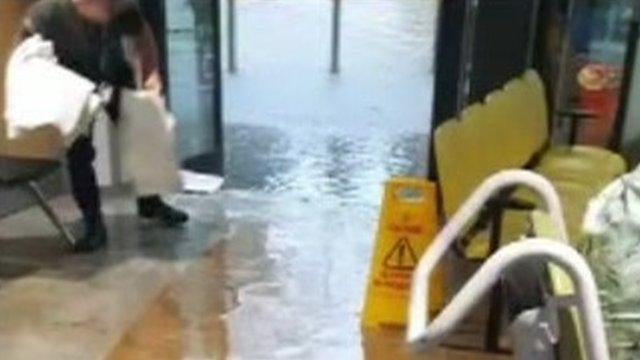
(452, 230)
(421, 333)
(424, 335)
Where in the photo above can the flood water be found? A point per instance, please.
(294, 129)
(317, 147)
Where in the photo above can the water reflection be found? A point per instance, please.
(291, 127)
(295, 130)
(343, 168)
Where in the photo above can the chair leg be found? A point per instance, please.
(42, 201)
(496, 306)
(494, 322)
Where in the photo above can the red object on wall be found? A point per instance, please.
(603, 103)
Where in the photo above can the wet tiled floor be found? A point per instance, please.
(251, 277)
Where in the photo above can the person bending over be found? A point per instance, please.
(108, 42)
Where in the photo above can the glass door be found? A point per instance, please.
(195, 81)
(594, 53)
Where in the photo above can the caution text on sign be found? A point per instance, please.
(407, 227)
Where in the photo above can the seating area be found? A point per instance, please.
(25, 173)
(510, 130)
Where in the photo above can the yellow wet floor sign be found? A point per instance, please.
(408, 224)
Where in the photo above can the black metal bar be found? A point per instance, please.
(53, 217)
(494, 323)
(561, 97)
(573, 133)
(231, 33)
(218, 83)
(496, 306)
(467, 56)
(448, 58)
(336, 36)
(533, 31)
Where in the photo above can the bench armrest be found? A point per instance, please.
(576, 117)
(517, 204)
(498, 204)
(576, 114)
(424, 333)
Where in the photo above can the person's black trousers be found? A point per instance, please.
(84, 184)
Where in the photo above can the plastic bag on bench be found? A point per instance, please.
(612, 247)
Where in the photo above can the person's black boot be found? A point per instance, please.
(95, 238)
(152, 207)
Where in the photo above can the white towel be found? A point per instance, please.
(40, 92)
(146, 133)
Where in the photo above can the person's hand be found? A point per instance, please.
(153, 83)
(158, 99)
(153, 86)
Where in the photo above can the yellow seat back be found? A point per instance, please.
(528, 121)
(538, 97)
(461, 158)
(537, 100)
(504, 132)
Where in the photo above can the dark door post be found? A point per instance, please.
(451, 20)
(155, 13)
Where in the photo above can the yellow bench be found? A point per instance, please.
(511, 130)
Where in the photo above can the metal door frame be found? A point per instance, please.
(155, 12)
(218, 87)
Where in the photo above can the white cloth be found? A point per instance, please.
(40, 92)
(146, 133)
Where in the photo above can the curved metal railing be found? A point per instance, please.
(422, 334)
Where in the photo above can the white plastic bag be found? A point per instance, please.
(146, 134)
(612, 246)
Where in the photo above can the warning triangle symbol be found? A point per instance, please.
(401, 256)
